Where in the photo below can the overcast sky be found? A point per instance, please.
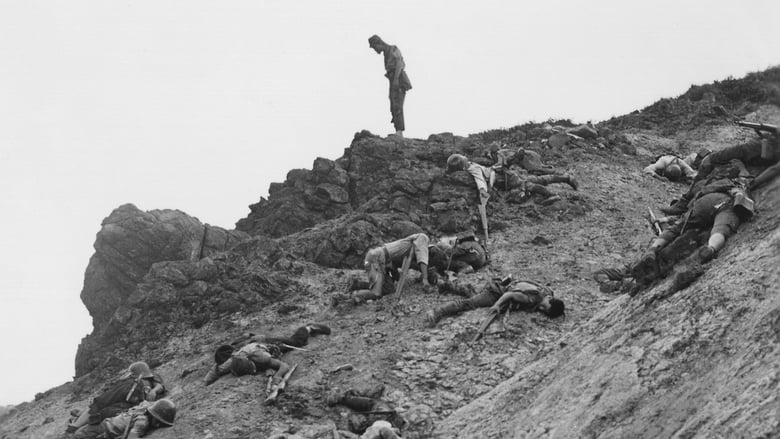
(199, 105)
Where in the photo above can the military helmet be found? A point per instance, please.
(673, 171)
(456, 162)
(556, 308)
(223, 353)
(242, 366)
(164, 410)
(139, 369)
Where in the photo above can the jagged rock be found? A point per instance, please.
(382, 175)
(131, 240)
(586, 131)
(128, 245)
(304, 199)
(558, 140)
(627, 148)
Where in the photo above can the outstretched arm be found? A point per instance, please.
(656, 167)
(511, 296)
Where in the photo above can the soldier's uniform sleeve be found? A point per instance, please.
(658, 166)
(140, 428)
(158, 379)
(686, 169)
(479, 177)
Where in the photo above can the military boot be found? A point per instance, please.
(679, 207)
(705, 254)
(444, 286)
(572, 182)
(356, 283)
(334, 397)
(431, 318)
(647, 269)
(550, 200)
(339, 298)
(318, 328)
(212, 376)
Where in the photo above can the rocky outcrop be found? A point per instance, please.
(393, 187)
(128, 245)
(131, 240)
(375, 175)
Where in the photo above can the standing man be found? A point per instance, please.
(399, 82)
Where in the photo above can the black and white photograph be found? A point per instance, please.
(389, 220)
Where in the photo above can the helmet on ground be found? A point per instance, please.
(556, 308)
(242, 366)
(139, 369)
(673, 172)
(223, 353)
(456, 162)
(163, 410)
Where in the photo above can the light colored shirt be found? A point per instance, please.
(483, 176)
(380, 430)
(115, 427)
(400, 248)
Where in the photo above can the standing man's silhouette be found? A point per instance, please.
(399, 82)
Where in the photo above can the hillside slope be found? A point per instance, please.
(701, 362)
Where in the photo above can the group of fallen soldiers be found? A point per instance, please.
(718, 200)
(135, 405)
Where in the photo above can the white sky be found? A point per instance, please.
(199, 105)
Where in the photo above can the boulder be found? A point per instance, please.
(130, 241)
(558, 140)
(586, 131)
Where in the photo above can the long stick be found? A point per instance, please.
(404, 273)
(654, 220)
(284, 345)
(483, 216)
(493, 315)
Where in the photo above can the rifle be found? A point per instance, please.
(483, 216)
(279, 387)
(130, 423)
(654, 221)
(759, 127)
(404, 274)
(485, 324)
